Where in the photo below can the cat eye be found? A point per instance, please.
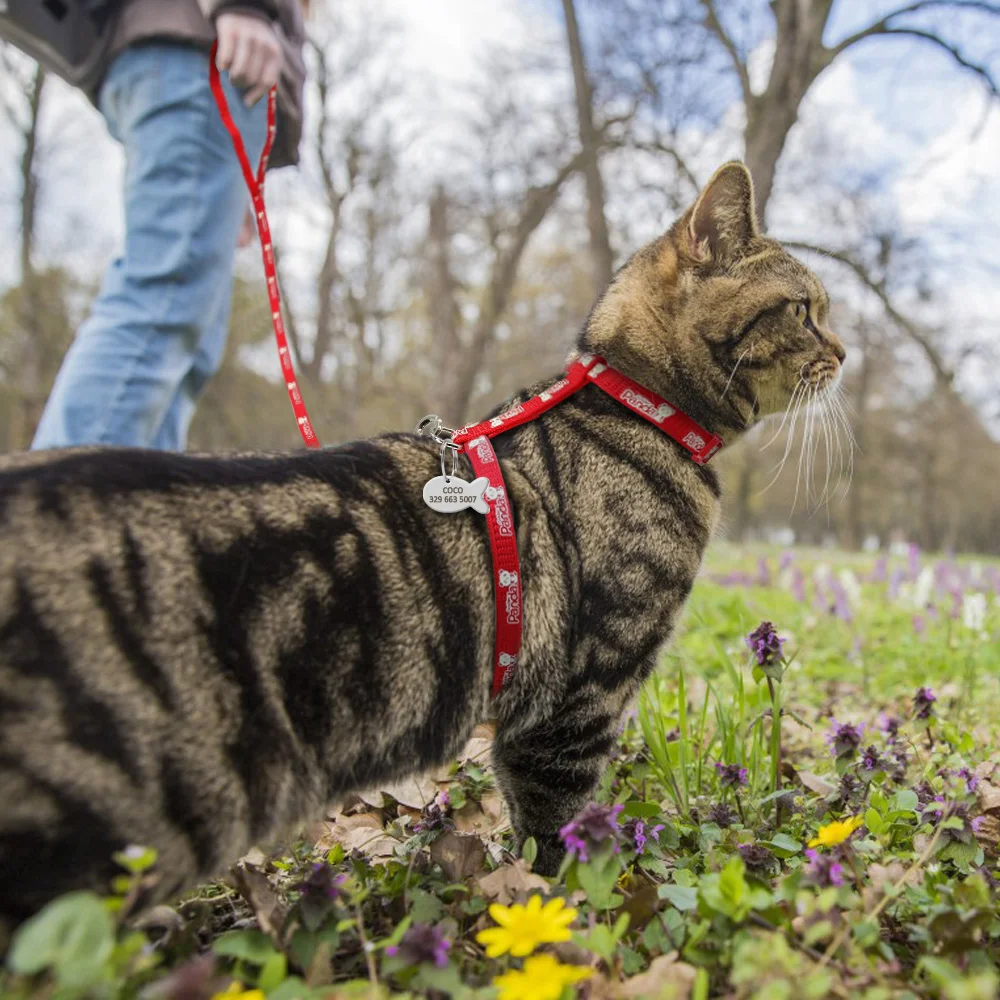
(801, 311)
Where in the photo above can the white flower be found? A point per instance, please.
(923, 587)
(974, 611)
(851, 587)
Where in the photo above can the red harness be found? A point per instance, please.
(473, 440)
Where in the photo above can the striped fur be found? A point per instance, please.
(197, 653)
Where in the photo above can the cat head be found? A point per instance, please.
(718, 318)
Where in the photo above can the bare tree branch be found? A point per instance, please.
(884, 22)
(714, 25)
(885, 27)
(659, 147)
(535, 207)
(942, 370)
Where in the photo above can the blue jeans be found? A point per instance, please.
(157, 331)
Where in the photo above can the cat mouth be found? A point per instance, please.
(823, 376)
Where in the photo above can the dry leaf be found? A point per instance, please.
(413, 792)
(459, 855)
(641, 905)
(267, 907)
(484, 817)
(362, 832)
(988, 831)
(989, 797)
(256, 857)
(511, 883)
(816, 784)
(665, 978)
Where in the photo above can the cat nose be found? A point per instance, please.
(837, 346)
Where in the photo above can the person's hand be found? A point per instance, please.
(249, 48)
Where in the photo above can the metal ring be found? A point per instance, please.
(445, 447)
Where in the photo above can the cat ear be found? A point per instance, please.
(724, 218)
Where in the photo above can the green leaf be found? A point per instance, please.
(529, 850)
(249, 946)
(643, 810)
(291, 989)
(874, 821)
(272, 972)
(783, 845)
(680, 896)
(905, 799)
(425, 907)
(73, 935)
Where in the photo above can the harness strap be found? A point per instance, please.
(506, 564)
(474, 440)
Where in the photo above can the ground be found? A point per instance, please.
(849, 852)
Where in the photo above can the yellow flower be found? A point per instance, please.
(236, 992)
(542, 978)
(523, 928)
(836, 833)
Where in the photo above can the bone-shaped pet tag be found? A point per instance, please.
(448, 494)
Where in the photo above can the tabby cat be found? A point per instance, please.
(198, 652)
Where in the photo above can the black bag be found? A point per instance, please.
(66, 36)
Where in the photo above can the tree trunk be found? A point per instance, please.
(856, 493)
(799, 57)
(744, 490)
(597, 223)
(442, 289)
(27, 409)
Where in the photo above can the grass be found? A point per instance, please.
(692, 877)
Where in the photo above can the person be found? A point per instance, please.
(157, 330)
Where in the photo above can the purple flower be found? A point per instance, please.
(841, 607)
(422, 943)
(757, 858)
(787, 557)
(923, 702)
(594, 825)
(956, 605)
(823, 870)
(436, 815)
(880, 571)
(913, 555)
(889, 725)
(321, 883)
(799, 585)
(763, 573)
(721, 815)
(871, 760)
(919, 625)
(895, 583)
(638, 833)
(971, 781)
(845, 738)
(765, 644)
(731, 775)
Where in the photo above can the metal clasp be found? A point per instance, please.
(431, 426)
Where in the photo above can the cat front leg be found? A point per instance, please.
(549, 772)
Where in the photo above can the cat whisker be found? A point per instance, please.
(732, 374)
(797, 397)
(791, 402)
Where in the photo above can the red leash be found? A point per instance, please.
(255, 185)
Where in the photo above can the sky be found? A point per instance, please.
(931, 130)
